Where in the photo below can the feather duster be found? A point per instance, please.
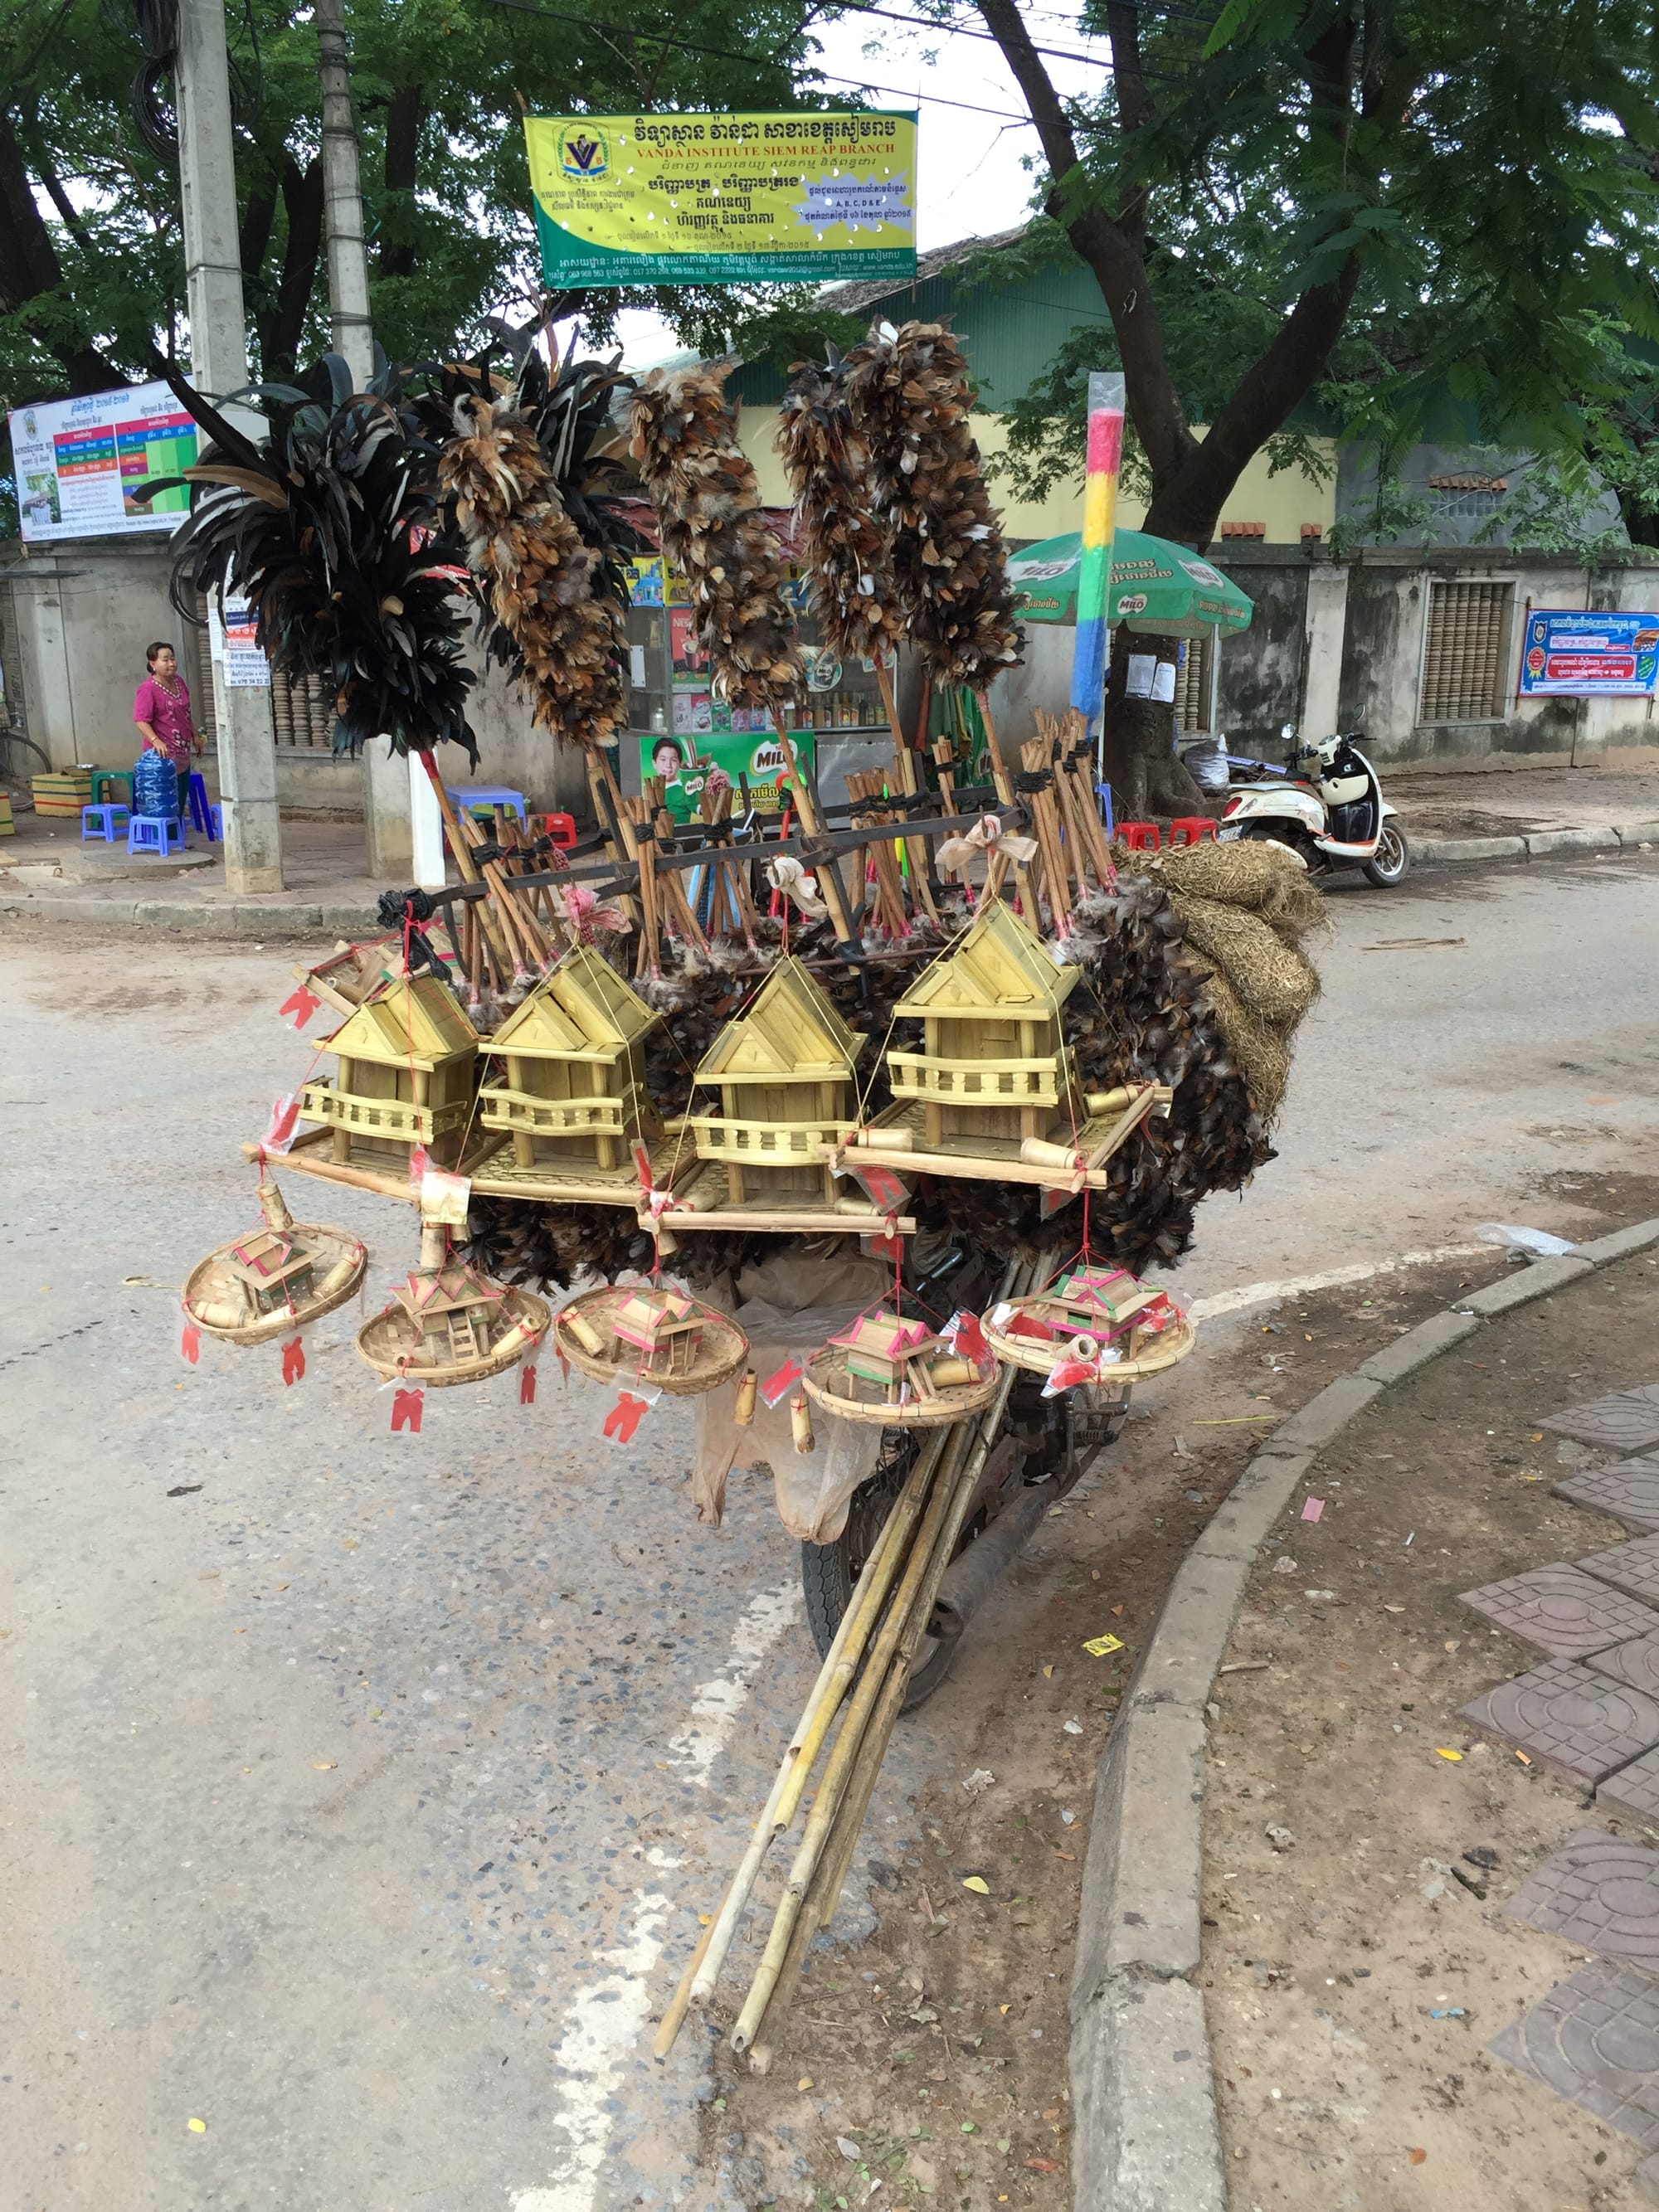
(911, 402)
(684, 442)
(826, 461)
(534, 577)
(329, 528)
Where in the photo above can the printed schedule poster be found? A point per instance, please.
(1576, 655)
(78, 462)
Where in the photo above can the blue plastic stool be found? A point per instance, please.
(159, 834)
(100, 822)
(216, 825)
(197, 801)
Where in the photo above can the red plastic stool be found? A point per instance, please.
(1140, 836)
(560, 828)
(1191, 829)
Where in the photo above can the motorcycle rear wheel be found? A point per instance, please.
(828, 1572)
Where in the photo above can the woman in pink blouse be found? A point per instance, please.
(161, 709)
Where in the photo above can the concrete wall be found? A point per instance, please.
(82, 615)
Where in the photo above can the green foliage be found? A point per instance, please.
(437, 86)
(1371, 220)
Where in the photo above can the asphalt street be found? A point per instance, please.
(363, 1789)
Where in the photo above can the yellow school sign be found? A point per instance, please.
(655, 200)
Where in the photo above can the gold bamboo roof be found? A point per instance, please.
(788, 1031)
(418, 1019)
(998, 968)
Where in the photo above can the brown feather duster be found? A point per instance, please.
(684, 443)
(911, 402)
(535, 577)
(826, 461)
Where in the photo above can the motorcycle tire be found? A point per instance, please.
(1387, 865)
(828, 1572)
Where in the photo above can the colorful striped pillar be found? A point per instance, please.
(1099, 519)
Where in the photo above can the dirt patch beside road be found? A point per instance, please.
(1354, 1971)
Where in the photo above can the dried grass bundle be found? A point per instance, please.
(1272, 978)
(683, 441)
(911, 402)
(1260, 877)
(535, 577)
(826, 461)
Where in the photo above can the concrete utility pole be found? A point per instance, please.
(386, 807)
(218, 360)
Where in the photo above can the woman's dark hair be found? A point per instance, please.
(162, 645)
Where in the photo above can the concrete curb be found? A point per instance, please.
(238, 919)
(1143, 2094)
(255, 918)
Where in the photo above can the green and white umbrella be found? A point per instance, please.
(1155, 584)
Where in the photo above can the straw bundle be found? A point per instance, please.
(683, 439)
(1262, 879)
(826, 461)
(1262, 1052)
(535, 577)
(911, 402)
(1269, 977)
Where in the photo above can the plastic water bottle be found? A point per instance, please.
(155, 785)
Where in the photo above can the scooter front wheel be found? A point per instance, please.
(1392, 857)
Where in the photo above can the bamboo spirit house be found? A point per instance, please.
(994, 1094)
(573, 1098)
(786, 1070)
(408, 1071)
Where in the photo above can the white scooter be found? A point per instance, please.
(1328, 809)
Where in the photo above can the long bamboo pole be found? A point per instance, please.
(464, 861)
(915, 848)
(829, 881)
(839, 1664)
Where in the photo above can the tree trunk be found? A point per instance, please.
(302, 197)
(30, 269)
(405, 112)
(1142, 767)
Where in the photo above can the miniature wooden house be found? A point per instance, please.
(880, 1347)
(408, 1064)
(785, 1071)
(995, 1068)
(455, 1310)
(275, 1272)
(664, 1327)
(574, 1090)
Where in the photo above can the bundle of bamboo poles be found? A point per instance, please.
(863, 1680)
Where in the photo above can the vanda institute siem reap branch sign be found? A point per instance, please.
(660, 199)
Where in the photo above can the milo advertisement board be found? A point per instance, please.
(685, 759)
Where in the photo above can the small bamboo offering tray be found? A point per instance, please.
(224, 1293)
(1144, 1351)
(827, 1384)
(449, 1322)
(591, 1320)
(392, 1345)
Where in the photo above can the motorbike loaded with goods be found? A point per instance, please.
(876, 1147)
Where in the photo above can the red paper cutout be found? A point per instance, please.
(190, 1342)
(527, 1384)
(406, 1408)
(776, 1386)
(879, 1185)
(299, 1006)
(294, 1360)
(966, 1339)
(279, 1133)
(625, 1417)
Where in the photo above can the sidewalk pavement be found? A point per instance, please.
(1431, 1923)
(1451, 817)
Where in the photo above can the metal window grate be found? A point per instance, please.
(1192, 695)
(1465, 653)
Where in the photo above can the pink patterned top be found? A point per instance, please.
(165, 708)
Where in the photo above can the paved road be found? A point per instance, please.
(359, 1797)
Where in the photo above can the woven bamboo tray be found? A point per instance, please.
(1144, 1354)
(825, 1383)
(721, 1351)
(391, 1343)
(340, 1263)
